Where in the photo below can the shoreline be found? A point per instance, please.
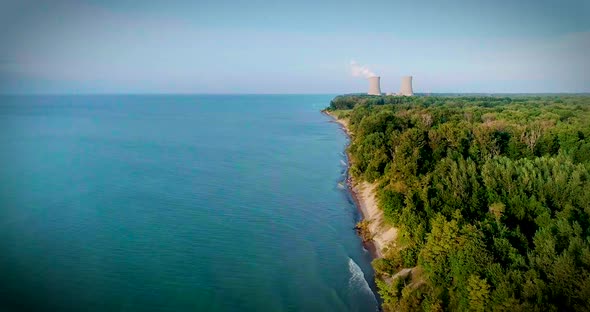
(363, 194)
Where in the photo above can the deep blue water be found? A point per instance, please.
(175, 203)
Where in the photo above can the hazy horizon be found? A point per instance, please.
(279, 94)
(263, 47)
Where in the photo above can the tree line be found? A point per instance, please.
(490, 195)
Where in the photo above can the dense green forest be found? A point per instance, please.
(491, 196)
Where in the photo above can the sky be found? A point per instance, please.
(303, 46)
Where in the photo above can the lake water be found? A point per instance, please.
(175, 203)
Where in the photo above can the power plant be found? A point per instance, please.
(359, 70)
(406, 86)
(374, 85)
(404, 90)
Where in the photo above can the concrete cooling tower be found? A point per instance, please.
(406, 87)
(375, 86)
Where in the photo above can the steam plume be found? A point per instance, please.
(359, 70)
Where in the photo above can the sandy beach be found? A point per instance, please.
(383, 234)
(363, 192)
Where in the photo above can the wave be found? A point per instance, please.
(357, 279)
(342, 162)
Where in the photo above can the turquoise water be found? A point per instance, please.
(175, 203)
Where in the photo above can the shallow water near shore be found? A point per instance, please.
(167, 203)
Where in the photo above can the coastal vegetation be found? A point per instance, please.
(362, 228)
(490, 196)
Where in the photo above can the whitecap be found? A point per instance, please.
(357, 279)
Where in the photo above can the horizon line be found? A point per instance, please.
(286, 93)
(330, 93)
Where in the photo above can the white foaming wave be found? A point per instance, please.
(357, 279)
(342, 162)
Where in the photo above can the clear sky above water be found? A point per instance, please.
(263, 46)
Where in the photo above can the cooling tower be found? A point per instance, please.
(374, 86)
(406, 87)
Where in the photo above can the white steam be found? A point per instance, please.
(359, 70)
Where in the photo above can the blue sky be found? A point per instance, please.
(301, 46)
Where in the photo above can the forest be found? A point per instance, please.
(490, 196)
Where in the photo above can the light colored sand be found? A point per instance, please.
(383, 234)
(343, 122)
